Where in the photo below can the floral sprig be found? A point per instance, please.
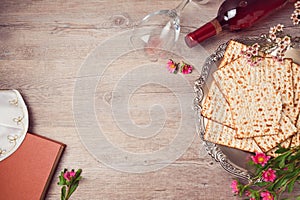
(282, 43)
(279, 43)
(252, 54)
(274, 30)
(295, 17)
(272, 176)
(186, 68)
(174, 67)
(69, 180)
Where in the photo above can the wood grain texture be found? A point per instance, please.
(43, 45)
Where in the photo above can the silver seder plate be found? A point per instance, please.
(232, 160)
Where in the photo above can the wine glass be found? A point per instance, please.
(159, 31)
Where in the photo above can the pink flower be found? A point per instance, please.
(234, 186)
(248, 194)
(266, 196)
(172, 66)
(186, 69)
(269, 175)
(260, 158)
(68, 175)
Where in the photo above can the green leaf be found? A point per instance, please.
(78, 172)
(282, 162)
(295, 172)
(62, 181)
(278, 159)
(262, 184)
(281, 150)
(279, 183)
(280, 173)
(242, 189)
(78, 178)
(291, 167)
(283, 188)
(256, 195)
(298, 198)
(63, 193)
(291, 184)
(294, 156)
(73, 187)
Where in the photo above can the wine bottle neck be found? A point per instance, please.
(206, 31)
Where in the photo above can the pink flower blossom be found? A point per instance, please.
(269, 175)
(172, 66)
(266, 195)
(186, 69)
(68, 175)
(260, 158)
(234, 186)
(248, 194)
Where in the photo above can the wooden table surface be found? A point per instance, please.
(47, 50)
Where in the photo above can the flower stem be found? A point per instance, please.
(67, 193)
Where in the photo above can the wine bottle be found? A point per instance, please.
(235, 15)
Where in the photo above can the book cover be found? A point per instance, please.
(27, 173)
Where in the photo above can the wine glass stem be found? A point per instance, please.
(181, 6)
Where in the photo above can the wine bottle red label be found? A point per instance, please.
(208, 30)
(217, 26)
(235, 15)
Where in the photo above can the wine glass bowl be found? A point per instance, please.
(159, 31)
(156, 32)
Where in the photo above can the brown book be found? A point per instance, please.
(27, 173)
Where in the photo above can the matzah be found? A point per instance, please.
(223, 135)
(296, 84)
(255, 105)
(274, 82)
(296, 139)
(216, 108)
(294, 111)
(232, 52)
(287, 129)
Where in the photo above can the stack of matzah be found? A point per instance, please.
(253, 108)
